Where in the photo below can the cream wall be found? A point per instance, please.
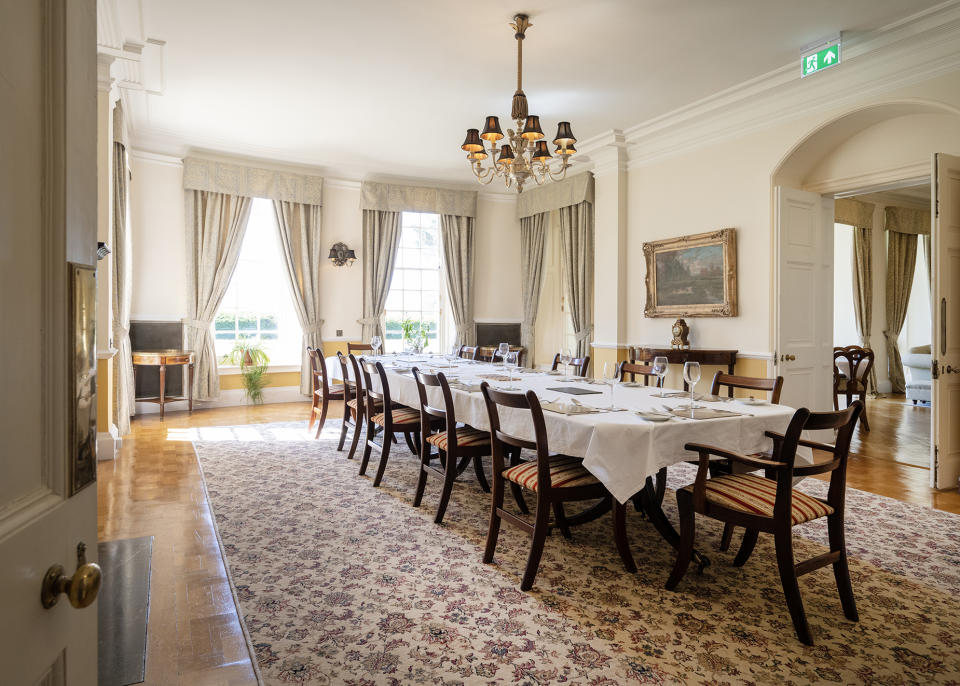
(341, 299)
(729, 184)
(497, 267)
(157, 233)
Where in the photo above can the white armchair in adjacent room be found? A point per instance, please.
(916, 367)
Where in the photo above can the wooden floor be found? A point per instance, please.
(194, 636)
(899, 431)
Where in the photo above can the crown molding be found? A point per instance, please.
(609, 154)
(864, 182)
(156, 158)
(915, 49)
(492, 196)
(345, 184)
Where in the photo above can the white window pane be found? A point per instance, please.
(429, 260)
(411, 280)
(394, 300)
(430, 280)
(411, 257)
(411, 300)
(431, 301)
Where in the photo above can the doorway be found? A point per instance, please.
(899, 406)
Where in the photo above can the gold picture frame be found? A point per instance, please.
(692, 276)
(83, 376)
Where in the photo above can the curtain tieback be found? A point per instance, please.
(311, 329)
(584, 335)
(120, 332)
(369, 321)
(198, 323)
(891, 337)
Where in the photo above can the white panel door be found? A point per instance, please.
(803, 297)
(47, 162)
(946, 320)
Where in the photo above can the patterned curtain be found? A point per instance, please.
(577, 246)
(216, 223)
(901, 262)
(381, 236)
(299, 226)
(457, 238)
(533, 240)
(863, 291)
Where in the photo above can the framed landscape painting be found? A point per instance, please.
(692, 276)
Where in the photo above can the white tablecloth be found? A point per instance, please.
(619, 448)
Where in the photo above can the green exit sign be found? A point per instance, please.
(824, 56)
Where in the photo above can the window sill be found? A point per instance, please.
(228, 370)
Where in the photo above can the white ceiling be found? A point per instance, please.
(388, 87)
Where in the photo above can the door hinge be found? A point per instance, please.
(934, 370)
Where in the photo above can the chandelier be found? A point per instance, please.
(525, 156)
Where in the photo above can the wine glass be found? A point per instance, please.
(512, 360)
(660, 369)
(375, 343)
(691, 374)
(565, 358)
(454, 352)
(503, 349)
(611, 377)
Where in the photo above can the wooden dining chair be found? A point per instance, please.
(323, 393)
(467, 352)
(390, 420)
(458, 446)
(633, 369)
(359, 348)
(751, 383)
(354, 402)
(853, 380)
(555, 479)
(582, 364)
(770, 504)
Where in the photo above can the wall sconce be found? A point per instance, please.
(341, 255)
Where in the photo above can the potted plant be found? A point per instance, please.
(252, 360)
(414, 334)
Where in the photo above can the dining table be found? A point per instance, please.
(627, 448)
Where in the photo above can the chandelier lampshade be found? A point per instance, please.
(472, 142)
(524, 153)
(491, 130)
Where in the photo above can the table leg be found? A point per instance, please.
(190, 397)
(652, 507)
(163, 382)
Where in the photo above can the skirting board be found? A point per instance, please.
(233, 398)
(108, 443)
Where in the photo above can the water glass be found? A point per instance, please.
(691, 374)
(512, 362)
(660, 366)
(375, 343)
(565, 358)
(503, 349)
(611, 377)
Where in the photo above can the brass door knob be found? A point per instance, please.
(790, 358)
(952, 370)
(81, 589)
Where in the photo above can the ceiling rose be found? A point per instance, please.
(526, 156)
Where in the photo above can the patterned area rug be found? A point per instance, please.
(342, 583)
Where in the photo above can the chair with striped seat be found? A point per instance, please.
(770, 504)
(458, 446)
(323, 391)
(555, 479)
(354, 402)
(390, 420)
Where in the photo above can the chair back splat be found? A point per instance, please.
(752, 383)
(633, 368)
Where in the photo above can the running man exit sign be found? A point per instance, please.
(819, 57)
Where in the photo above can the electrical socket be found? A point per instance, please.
(339, 333)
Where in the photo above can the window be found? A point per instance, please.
(844, 317)
(258, 304)
(415, 291)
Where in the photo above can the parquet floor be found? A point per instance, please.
(194, 636)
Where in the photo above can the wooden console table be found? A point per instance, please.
(162, 358)
(645, 354)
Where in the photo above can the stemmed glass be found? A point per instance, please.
(503, 349)
(611, 377)
(454, 352)
(512, 361)
(660, 369)
(565, 358)
(375, 343)
(691, 374)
